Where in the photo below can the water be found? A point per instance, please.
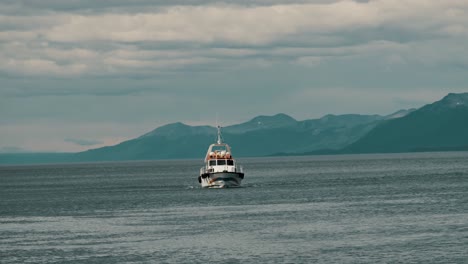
(398, 208)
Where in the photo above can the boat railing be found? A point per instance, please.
(207, 168)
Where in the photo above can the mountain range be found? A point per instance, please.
(263, 135)
(440, 126)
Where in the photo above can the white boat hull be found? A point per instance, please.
(221, 179)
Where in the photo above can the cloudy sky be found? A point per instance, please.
(79, 74)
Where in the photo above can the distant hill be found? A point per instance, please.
(183, 142)
(260, 136)
(442, 125)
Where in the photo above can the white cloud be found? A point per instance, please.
(254, 24)
(18, 35)
(206, 24)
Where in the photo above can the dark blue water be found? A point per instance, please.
(399, 208)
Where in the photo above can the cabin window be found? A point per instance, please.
(212, 162)
(230, 162)
(221, 162)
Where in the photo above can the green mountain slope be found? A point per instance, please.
(442, 125)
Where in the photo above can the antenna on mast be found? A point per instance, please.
(219, 141)
(219, 135)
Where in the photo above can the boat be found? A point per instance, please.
(221, 169)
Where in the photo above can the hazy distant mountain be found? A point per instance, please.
(176, 130)
(33, 158)
(442, 125)
(262, 122)
(170, 141)
(263, 135)
(12, 150)
(400, 113)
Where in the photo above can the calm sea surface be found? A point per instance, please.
(398, 208)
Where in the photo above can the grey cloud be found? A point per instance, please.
(92, 6)
(37, 62)
(147, 62)
(75, 46)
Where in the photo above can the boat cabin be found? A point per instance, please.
(219, 159)
(221, 162)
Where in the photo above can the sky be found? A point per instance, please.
(82, 74)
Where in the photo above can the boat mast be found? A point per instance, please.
(219, 135)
